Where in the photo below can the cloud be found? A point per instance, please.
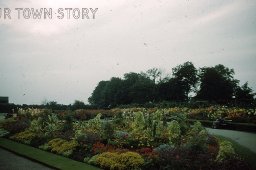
(219, 13)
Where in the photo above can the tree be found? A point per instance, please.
(185, 76)
(78, 105)
(154, 74)
(113, 92)
(244, 94)
(140, 88)
(98, 94)
(217, 84)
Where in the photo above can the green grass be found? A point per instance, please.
(44, 157)
(248, 155)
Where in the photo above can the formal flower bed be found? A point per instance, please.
(132, 139)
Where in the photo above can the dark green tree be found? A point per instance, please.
(217, 84)
(244, 94)
(154, 74)
(185, 79)
(98, 95)
(140, 88)
(78, 105)
(114, 92)
(178, 87)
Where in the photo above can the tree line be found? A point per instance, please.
(212, 84)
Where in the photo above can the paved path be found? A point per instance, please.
(243, 138)
(10, 161)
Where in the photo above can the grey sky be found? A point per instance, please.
(63, 60)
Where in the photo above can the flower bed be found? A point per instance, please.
(132, 139)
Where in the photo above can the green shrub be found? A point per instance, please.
(174, 132)
(3, 132)
(131, 160)
(15, 126)
(226, 151)
(114, 160)
(61, 146)
(108, 130)
(24, 137)
(196, 138)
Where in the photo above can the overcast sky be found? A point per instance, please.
(63, 60)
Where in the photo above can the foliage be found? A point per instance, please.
(144, 138)
(15, 125)
(46, 125)
(244, 94)
(213, 84)
(163, 148)
(108, 130)
(3, 132)
(78, 105)
(217, 84)
(174, 132)
(30, 112)
(113, 160)
(89, 138)
(196, 138)
(139, 121)
(61, 146)
(186, 77)
(226, 151)
(24, 137)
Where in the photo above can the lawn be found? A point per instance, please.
(47, 158)
(244, 152)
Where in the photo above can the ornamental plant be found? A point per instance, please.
(24, 137)
(174, 133)
(139, 121)
(226, 151)
(61, 146)
(196, 138)
(3, 132)
(115, 160)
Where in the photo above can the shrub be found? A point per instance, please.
(163, 148)
(174, 132)
(16, 126)
(108, 130)
(226, 151)
(46, 125)
(89, 137)
(98, 148)
(3, 132)
(38, 141)
(140, 139)
(114, 160)
(196, 138)
(30, 112)
(24, 137)
(131, 160)
(52, 124)
(61, 146)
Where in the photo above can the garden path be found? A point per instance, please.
(245, 139)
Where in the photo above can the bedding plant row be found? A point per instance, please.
(131, 139)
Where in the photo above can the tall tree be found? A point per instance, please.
(244, 94)
(217, 84)
(155, 74)
(98, 94)
(185, 78)
(140, 87)
(78, 105)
